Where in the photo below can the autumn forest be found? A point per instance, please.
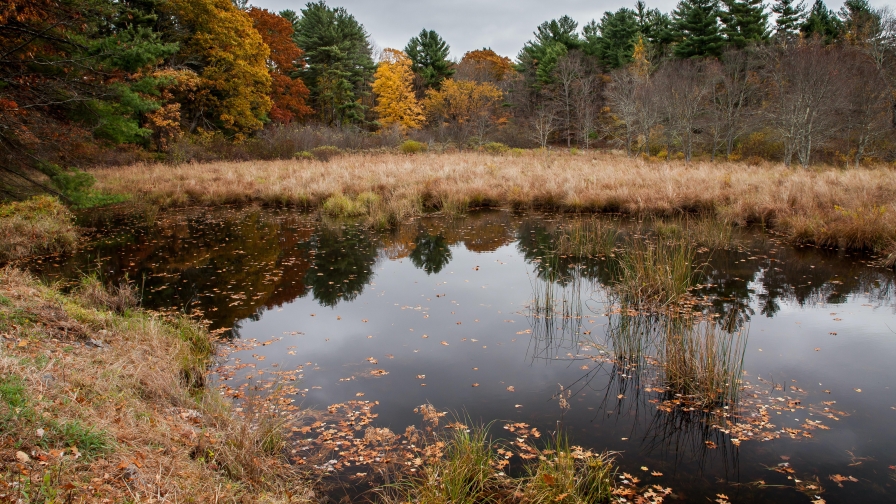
(87, 82)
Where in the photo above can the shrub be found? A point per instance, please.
(40, 225)
(303, 156)
(495, 148)
(413, 147)
(326, 152)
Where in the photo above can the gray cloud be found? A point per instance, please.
(503, 25)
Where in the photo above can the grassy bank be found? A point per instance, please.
(824, 206)
(40, 225)
(102, 402)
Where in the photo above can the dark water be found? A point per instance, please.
(485, 300)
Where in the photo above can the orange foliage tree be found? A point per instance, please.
(468, 108)
(234, 79)
(484, 65)
(289, 95)
(394, 88)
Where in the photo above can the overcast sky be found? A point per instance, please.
(503, 25)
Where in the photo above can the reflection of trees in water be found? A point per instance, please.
(342, 263)
(431, 253)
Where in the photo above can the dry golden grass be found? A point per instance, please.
(40, 225)
(825, 206)
(98, 406)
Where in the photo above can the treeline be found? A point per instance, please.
(139, 78)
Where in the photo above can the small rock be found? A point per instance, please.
(131, 472)
(22, 457)
(95, 343)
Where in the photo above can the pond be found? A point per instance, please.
(489, 317)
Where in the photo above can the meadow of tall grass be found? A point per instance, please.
(823, 206)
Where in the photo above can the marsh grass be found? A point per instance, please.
(590, 237)
(118, 298)
(702, 362)
(38, 226)
(465, 474)
(824, 206)
(696, 359)
(132, 415)
(569, 475)
(654, 273)
(469, 471)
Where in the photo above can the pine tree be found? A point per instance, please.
(429, 57)
(612, 40)
(696, 26)
(789, 18)
(821, 22)
(340, 66)
(744, 22)
(553, 39)
(859, 21)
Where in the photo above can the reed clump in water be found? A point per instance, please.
(469, 472)
(702, 362)
(654, 273)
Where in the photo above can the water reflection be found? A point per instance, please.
(232, 264)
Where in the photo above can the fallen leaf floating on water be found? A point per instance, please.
(817, 349)
(421, 376)
(511, 389)
(656, 473)
(839, 479)
(710, 444)
(520, 406)
(372, 360)
(359, 394)
(444, 343)
(475, 385)
(584, 367)
(858, 390)
(644, 468)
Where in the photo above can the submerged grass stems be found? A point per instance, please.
(697, 360)
(701, 361)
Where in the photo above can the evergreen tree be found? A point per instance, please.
(429, 58)
(340, 66)
(821, 22)
(655, 28)
(553, 39)
(696, 27)
(790, 15)
(859, 21)
(612, 40)
(744, 22)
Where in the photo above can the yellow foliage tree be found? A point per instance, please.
(394, 88)
(468, 107)
(233, 58)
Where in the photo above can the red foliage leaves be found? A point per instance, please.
(288, 94)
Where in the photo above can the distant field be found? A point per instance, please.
(824, 206)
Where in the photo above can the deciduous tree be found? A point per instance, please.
(394, 88)
(220, 44)
(468, 108)
(288, 94)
